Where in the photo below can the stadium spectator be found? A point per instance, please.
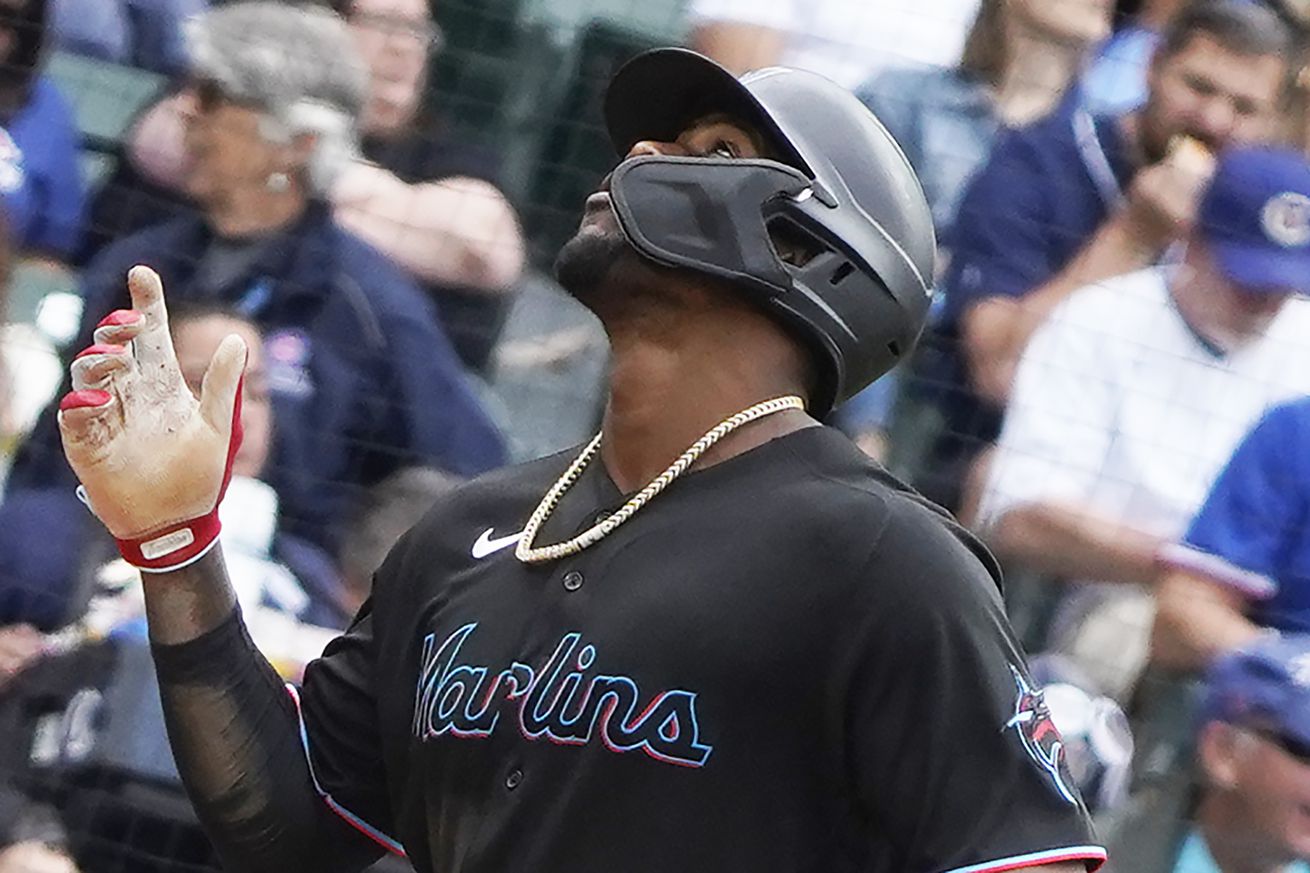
(30, 370)
(1116, 81)
(362, 379)
(30, 836)
(1017, 62)
(33, 838)
(142, 33)
(1243, 567)
(549, 370)
(39, 141)
(1253, 751)
(845, 40)
(1075, 199)
(428, 202)
(1132, 396)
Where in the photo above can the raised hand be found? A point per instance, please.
(1163, 198)
(153, 460)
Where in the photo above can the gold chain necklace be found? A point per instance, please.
(525, 552)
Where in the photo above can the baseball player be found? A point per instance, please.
(716, 638)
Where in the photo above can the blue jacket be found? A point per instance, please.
(1253, 533)
(363, 382)
(45, 135)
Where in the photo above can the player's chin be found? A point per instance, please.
(585, 261)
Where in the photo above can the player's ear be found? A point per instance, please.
(1219, 749)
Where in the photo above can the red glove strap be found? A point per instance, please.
(174, 547)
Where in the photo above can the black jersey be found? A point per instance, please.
(784, 662)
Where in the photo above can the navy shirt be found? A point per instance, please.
(363, 382)
(1253, 533)
(1034, 205)
(130, 202)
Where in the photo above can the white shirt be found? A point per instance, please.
(849, 40)
(1119, 409)
(30, 374)
(248, 514)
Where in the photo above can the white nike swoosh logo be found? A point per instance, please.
(484, 545)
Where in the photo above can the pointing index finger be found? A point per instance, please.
(153, 345)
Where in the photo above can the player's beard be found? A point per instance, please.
(600, 269)
(603, 272)
(585, 262)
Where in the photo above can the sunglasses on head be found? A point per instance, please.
(210, 95)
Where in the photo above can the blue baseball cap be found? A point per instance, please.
(1264, 685)
(1255, 218)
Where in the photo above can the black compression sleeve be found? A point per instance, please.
(235, 736)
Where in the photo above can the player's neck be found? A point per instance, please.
(669, 386)
(1227, 826)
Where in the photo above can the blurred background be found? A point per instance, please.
(1112, 390)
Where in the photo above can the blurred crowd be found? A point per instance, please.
(1113, 390)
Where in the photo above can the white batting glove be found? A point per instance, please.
(153, 461)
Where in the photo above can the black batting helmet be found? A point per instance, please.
(841, 185)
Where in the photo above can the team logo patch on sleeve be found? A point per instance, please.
(1038, 734)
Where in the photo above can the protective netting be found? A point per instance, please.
(1120, 313)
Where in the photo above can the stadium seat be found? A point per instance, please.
(32, 282)
(105, 98)
(475, 71)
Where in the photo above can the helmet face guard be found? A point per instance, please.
(719, 216)
(707, 214)
(858, 290)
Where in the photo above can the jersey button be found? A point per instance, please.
(601, 516)
(572, 580)
(514, 779)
